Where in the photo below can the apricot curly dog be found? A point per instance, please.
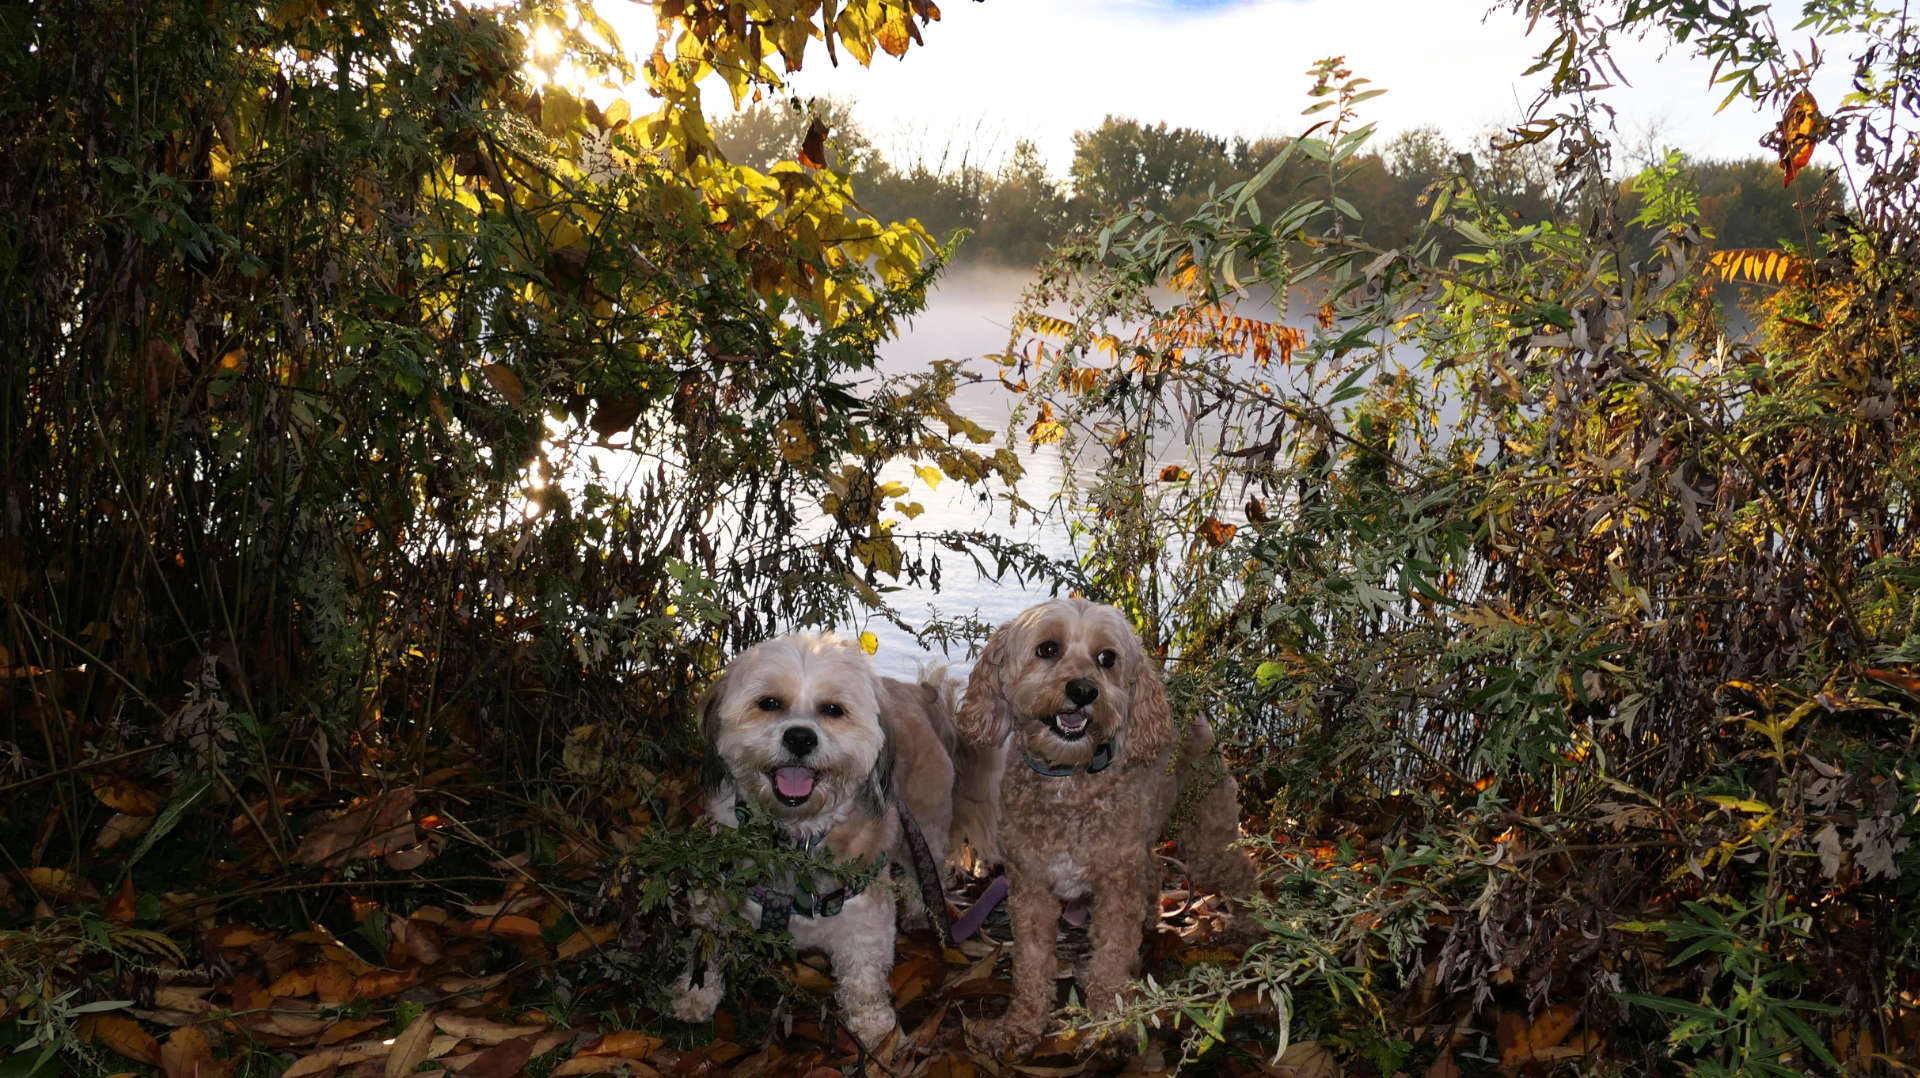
(1091, 784)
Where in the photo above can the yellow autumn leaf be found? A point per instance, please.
(869, 643)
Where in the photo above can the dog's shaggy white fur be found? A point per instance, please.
(801, 731)
(1098, 770)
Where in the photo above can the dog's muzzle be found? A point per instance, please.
(1071, 725)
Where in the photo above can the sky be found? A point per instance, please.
(996, 71)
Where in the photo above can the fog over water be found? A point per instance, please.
(968, 315)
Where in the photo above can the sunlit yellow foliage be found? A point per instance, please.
(1749, 265)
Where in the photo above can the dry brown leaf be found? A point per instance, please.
(314, 1065)
(370, 828)
(484, 1030)
(119, 828)
(1304, 1059)
(187, 1054)
(179, 997)
(419, 940)
(120, 1033)
(409, 859)
(503, 1060)
(410, 1047)
(123, 795)
(359, 1052)
(348, 1028)
(293, 1025)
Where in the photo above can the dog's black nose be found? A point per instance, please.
(1082, 691)
(799, 740)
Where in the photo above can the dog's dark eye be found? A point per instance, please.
(1048, 650)
(832, 711)
(769, 703)
(1107, 658)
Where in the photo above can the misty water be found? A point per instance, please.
(968, 316)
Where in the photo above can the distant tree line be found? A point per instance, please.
(1016, 211)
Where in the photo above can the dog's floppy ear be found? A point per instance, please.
(713, 770)
(1149, 729)
(876, 794)
(982, 719)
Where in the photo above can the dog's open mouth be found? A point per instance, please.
(1070, 725)
(793, 785)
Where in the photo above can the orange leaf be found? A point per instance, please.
(1216, 532)
(505, 382)
(294, 982)
(236, 935)
(333, 983)
(586, 939)
(188, 1055)
(120, 908)
(122, 794)
(625, 1042)
(1523, 1042)
(511, 924)
(605, 1065)
(382, 983)
(893, 36)
(1800, 129)
(1903, 682)
(122, 1034)
(813, 148)
(59, 884)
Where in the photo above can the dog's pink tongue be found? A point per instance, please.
(793, 781)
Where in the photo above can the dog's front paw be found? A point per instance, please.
(872, 1028)
(695, 1003)
(1008, 1038)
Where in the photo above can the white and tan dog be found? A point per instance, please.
(800, 731)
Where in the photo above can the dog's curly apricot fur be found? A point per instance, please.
(1069, 684)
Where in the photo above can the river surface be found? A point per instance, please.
(968, 316)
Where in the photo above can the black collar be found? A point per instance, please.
(778, 906)
(1102, 758)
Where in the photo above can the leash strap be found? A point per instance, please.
(926, 873)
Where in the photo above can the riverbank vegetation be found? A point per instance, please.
(396, 441)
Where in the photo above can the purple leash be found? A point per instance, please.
(976, 914)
